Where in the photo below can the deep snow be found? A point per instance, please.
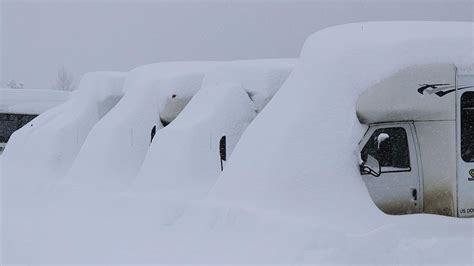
(115, 148)
(312, 156)
(291, 192)
(308, 167)
(183, 160)
(51, 143)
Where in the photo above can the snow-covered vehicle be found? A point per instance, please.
(19, 107)
(202, 138)
(418, 153)
(291, 192)
(116, 146)
(57, 135)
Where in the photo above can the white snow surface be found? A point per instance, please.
(312, 155)
(291, 192)
(261, 79)
(116, 146)
(307, 167)
(30, 101)
(183, 160)
(50, 144)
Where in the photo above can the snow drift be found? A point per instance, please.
(307, 166)
(116, 147)
(291, 192)
(51, 143)
(223, 106)
(183, 160)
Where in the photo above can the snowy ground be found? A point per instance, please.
(291, 192)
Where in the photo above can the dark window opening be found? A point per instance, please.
(390, 147)
(467, 126)
(10, 123)
(223, 150)
(153, 133)
(164, 123)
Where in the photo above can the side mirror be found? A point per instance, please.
(371, 166)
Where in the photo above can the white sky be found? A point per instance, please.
(37, 38)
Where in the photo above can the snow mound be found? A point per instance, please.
(184, 158)
(291, 192)
(261, 79)
(51, 142)
(299, 156)
(115, 148)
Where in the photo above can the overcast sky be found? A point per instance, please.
(38, 38)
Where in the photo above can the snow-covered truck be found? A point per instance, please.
(116, 146)
(57, 135)
(418, 152)
(18, 107)
(186, 158)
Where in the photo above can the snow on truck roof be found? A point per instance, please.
(30, 101)
(152, 75)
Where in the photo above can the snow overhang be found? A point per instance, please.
(30, 101)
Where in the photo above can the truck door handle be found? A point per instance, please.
(414, 194)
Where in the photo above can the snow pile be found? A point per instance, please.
(50, 143)
(182, 164)
(299, 155)
(184, 158)
(291, 192)
(311, 157)
(58, 231)
(24, 101)
(261, 79)
(115, 148)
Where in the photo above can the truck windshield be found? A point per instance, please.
(9, 123)
(467, 126)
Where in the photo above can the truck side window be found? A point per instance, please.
(9, 123)
(467, 126)
(390, 147)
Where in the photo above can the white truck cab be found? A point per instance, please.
(418, 152)
(386, 152)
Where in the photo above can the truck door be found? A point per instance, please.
(465, 145)
(395, 188)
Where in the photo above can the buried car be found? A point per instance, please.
(19, 107)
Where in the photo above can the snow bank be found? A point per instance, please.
(115, 148)
(182, 164)
(291, 192)
(261, 79)
(24, 101)
(184, 158)
(299, 155)
(50, 143)
(297, 166)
